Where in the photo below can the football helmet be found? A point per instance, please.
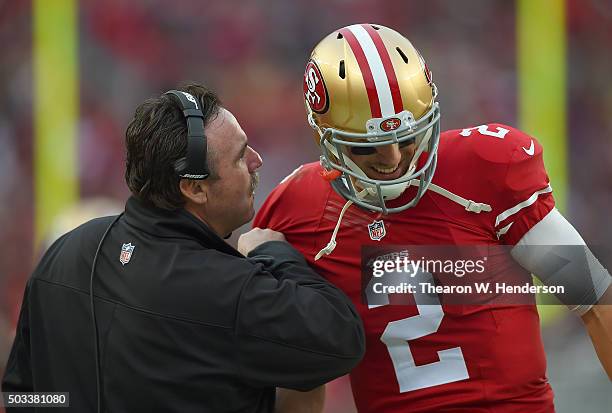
(366, 86)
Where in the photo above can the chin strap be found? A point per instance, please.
(329, 248)
(468, 204)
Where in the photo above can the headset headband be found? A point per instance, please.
(194, 165)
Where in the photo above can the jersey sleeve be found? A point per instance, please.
(267, 216)
(523, 194)
(292, 208)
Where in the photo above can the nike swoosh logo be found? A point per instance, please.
(531, 149)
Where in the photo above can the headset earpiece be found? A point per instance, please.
(194, 165)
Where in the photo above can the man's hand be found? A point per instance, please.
(255, 237)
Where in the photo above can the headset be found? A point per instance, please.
(192, 166)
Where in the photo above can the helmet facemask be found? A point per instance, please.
(373, 194)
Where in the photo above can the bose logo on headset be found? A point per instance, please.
(191, 99)
(191, 176)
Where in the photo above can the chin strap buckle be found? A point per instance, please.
(477, 207)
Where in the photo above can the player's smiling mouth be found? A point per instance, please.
(386, 173)
(386, 170)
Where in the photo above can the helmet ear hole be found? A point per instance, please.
(402, 55)
(341, 71)
(339, 36)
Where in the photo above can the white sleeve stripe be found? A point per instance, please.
(529, 201)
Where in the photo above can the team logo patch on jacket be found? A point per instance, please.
(377, 230)
(126, 253)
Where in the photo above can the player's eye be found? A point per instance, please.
(369, 150)
(363, 150)
(406, 143)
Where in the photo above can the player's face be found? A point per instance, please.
(383, 162)
(232, 194)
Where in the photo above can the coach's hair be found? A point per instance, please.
(155, 139)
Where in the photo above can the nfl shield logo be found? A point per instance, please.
(377, 230)
(126, 253)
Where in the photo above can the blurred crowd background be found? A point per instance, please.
(253, 54)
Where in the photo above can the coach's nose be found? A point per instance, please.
(255, 162)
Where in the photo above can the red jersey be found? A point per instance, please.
(475, 358)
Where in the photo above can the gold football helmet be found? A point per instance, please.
(366, 86)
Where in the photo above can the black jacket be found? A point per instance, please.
(187, 325)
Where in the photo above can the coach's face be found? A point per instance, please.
(228, 195)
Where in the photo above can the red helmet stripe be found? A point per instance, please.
(368, 79)
(398, 105)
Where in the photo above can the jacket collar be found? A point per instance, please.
(173, 224)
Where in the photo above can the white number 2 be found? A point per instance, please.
(397, 335)
(484, 130)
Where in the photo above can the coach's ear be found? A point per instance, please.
(194, 191)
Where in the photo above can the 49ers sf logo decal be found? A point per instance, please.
(315, 91)
(390, 124)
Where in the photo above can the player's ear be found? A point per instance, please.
(195, 191)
